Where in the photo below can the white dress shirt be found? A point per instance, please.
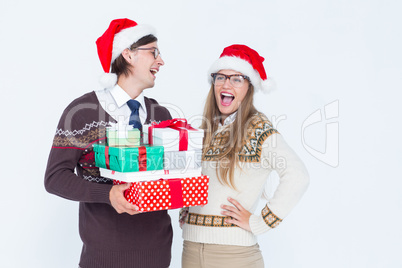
(114, 102)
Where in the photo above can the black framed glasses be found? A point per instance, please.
(236, 80)
(155, 51)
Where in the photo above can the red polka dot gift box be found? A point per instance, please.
(166, 194)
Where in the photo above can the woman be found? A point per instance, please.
(241, 148)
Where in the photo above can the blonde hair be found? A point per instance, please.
(238, 131)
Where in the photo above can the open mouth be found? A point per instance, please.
(226, 98)
(153, 72)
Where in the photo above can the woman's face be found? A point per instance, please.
(229, 97)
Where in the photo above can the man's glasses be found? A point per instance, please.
(155, 51)
(236, 80)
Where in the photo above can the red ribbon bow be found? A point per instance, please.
(179, 124)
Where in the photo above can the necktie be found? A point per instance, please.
(134, 117)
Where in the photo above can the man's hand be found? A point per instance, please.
(239, 214)
(119, 203)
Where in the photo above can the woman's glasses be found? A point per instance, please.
(236, 80)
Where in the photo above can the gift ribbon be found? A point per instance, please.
(142, 158)
(176, 193)
(179, 124)
(107, 161)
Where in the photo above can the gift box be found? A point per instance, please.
(129, 159)
(174, 135)
(149, 175)
(182, 160)
(123, 136)
(168, 194)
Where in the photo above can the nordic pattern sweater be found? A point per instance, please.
(263, 151)
(109, 239)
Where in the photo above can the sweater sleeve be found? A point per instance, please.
(294, 180)
(67, 149)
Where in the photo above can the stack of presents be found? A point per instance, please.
(164, 170)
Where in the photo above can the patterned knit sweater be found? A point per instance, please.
(109, 239)
(263, 151)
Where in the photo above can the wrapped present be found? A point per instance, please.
(123, 136)
(129, 159)
(168, 194)
(182, 160)
(175, 135)
(149, 175)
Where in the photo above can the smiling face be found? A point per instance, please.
(145, 66)
(228, 98)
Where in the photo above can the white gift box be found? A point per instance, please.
(149, 175)
(182, 160)
(170, 140)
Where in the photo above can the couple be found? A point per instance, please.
(238, 145)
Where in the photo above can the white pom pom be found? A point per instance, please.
(108, 80)
(268, 85)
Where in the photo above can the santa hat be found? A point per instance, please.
(247, 61)
(121, 34)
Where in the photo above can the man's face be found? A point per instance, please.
(145, 66)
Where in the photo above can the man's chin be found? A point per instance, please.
(151, 85)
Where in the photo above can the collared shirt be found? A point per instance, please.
(114, 102)
(229, 120)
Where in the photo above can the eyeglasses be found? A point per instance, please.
(155, 51)
(236, 80)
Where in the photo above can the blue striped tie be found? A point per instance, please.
(134, 117)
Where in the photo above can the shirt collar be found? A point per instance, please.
(229, 120)
(121, 97)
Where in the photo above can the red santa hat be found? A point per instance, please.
(121, 34)
(247, 61)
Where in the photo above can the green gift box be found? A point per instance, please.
(129, 159)
(123, 137)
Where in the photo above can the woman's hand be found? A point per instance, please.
(182, 216)
(239, 214)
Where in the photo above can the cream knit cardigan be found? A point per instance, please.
(273, 155)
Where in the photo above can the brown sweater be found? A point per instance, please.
(109, 239)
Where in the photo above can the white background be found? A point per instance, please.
(318, 51)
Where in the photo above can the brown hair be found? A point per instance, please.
(238, 131)
(120, 65)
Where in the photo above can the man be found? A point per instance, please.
(114, 234)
